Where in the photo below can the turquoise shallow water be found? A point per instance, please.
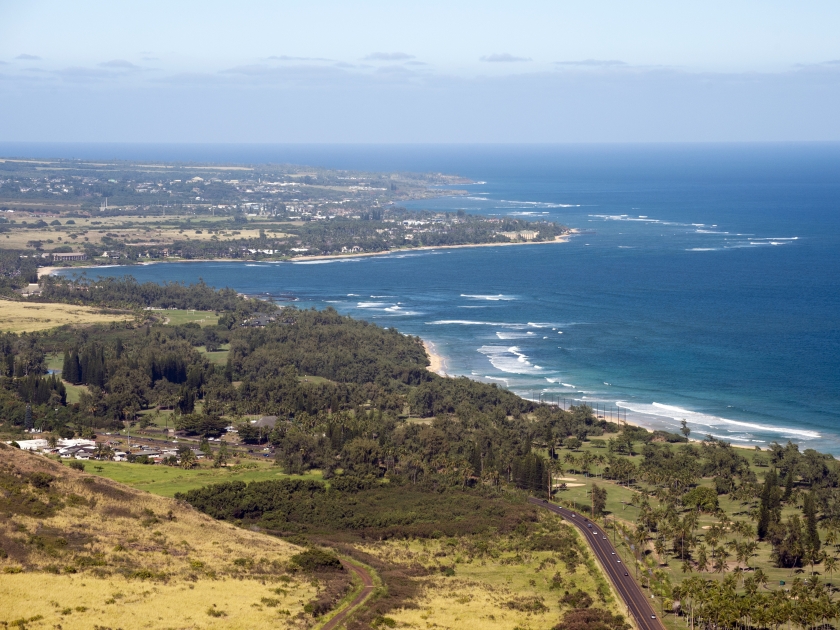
(705, 286)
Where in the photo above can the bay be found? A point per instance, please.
(705, 284)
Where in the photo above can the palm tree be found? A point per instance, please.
(830, 565)
(831, 539)
(702, 560)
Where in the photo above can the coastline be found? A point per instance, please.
(437, 363)
(46, 271)
(563, 238)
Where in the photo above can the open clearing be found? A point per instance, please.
(508, 587)
(178, 317)
(30, 317)
(166, 481)
(133, 231)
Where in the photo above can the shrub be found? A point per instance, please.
(214, 612)
(352, 484)
(591, 619)
(77, 465)
(316, 560)
(527, 604)
(577, 599)
(41, 480)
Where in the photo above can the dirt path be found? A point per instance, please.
(361, 598)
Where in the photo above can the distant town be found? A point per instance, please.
(70, 212)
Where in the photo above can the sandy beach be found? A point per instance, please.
(45, 271)
(437, 362)
(564, 238)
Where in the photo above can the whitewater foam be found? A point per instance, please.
(706, 420)
(509, 359)
(514, 335)
(493, 298)
(467, 322)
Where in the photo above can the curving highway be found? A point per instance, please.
(620, 575)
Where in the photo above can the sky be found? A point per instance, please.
(366, 71)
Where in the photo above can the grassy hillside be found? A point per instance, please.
(31, 317)
(80, 552)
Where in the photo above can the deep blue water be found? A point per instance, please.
(706, 285)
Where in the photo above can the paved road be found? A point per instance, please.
(367, 589)
(634, 597)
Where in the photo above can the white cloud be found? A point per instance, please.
(598, 63)
(25, 57)
(305, 102)
(289, 58)
(504, 58)
(120, 64)
(385, 56)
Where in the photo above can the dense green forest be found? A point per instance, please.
(364, 413)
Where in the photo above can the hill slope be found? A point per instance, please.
(82, 552)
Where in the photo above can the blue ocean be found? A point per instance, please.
(704, 284)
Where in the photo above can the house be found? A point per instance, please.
(259, 319)
(69, 257)
(32, 445)
(31, 289)
(267, 422)
(77, 452)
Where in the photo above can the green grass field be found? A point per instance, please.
(55, 361)
(179, 317)
(166, 481)
(74, 392)
(218, 357)
(315, 380)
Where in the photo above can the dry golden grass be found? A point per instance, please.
(30, 317)
(85, 602)
(493, 591)
(170, 563)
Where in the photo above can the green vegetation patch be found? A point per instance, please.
(168, 481)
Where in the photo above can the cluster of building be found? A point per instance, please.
(90, 450)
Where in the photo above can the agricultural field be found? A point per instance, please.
(31, 317)
(136, 230)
